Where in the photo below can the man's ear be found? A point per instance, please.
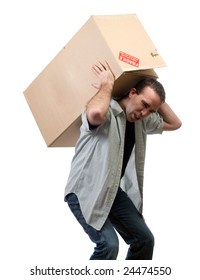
(133, 91)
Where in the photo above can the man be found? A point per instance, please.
(104, 188)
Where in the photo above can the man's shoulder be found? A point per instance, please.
(115, 107)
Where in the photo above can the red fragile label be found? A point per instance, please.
(127, 58)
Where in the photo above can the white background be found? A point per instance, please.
(36, 226)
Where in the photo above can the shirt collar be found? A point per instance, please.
(116, 108)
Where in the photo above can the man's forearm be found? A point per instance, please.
(171, 121)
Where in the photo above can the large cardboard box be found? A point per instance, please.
(58, 96)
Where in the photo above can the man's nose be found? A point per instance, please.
(145, 112)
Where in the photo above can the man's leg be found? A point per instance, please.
(107, 243)
(131, 226)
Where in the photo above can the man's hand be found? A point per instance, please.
(98, 106)
(104, 73)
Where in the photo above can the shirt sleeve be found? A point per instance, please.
(153, 124)
(87, 127)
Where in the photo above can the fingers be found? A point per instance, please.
(100, 67)
(104, 74)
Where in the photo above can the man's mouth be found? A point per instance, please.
(137, 116)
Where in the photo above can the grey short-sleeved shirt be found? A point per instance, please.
(96, 166)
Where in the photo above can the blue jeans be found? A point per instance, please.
(127, 221)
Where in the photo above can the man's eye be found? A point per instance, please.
(146, 105)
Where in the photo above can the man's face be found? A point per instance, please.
(141, 105)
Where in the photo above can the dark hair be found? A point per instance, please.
(152, 83)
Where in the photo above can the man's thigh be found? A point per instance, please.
(107, 233)
(127, 220)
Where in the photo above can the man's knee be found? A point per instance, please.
(106, 250)
(141, 248)
(113, 247)
(145, 240)
(150, 239)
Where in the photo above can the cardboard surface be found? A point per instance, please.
(58, 96)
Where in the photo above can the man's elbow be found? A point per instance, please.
(95, 117)
(172, 126)
(177, 124)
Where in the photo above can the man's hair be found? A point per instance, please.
(152, 83)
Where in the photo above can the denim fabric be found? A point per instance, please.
(127, 221)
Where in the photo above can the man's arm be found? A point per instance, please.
(171, 121)
(98, 106)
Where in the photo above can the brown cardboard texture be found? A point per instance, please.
(58, 96)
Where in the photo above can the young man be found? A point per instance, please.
(105, 185)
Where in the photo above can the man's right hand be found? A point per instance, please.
(104, 73)
(98, 106)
